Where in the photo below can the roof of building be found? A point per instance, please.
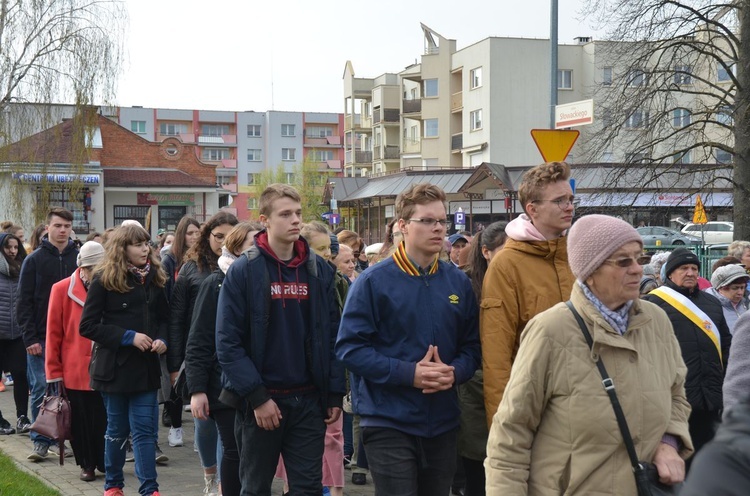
(123, 177)
(391, 185)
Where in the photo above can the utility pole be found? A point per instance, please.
(553, 62)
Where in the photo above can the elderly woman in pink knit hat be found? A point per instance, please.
(556, 431)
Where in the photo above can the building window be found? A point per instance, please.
(636, 158)
(287, 129)
(319, 131)
(430, 128)
(430, 88)
(254, 155)
(252, 204)
(138, 127)
(124, 212)
(680, 117)
(320, 155)
(683, 75)
(475, 75)
(253, 130)
(724, 116)
(476, 119)
(637, 77)
(253, 178)
(607, 157)
(290, 177)
(288, 154)
(723, 71)
(172, 128)
(722, 156)
(215, 154)
(564, 79)
(215, 130)
(224, 180)
(637, 119)
(681, 157)
(607, 76)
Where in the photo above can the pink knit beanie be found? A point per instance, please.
(593, 239)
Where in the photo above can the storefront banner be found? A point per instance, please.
(35, 177)
(167, 199)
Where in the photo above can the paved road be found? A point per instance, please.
(181, 475)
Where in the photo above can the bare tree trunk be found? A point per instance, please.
(742, 131)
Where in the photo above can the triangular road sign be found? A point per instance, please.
(554, 144)
(699, 216)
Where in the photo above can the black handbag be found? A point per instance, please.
(646, 474)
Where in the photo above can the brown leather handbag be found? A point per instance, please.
(53, 419)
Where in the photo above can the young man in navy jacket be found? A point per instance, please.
(409, 334)
(53, 261)
(275, 330)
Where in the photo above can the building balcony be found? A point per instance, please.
(352, 121)
(387, 116)
(224, 139)
(229, 163)
(388, 152)
(413, 106)
(412, 145)
(363, 157)
(457, 101)
(457, 141)
(230, 187)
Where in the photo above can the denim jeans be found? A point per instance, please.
(207, 441)
(300, 438)
(136, 414)
(406, 465)
(38, 385)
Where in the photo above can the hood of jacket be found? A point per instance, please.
(522, 229)
(4, 267)
(76, 289)
(300, 250)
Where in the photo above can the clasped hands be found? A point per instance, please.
(431, 374)
(144, 343)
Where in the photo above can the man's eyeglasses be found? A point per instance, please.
(562, 203)
(219, 237)
(428, 221)
(626, 262)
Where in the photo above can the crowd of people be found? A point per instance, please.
(467, 364)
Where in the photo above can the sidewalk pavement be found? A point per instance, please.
(180, 476)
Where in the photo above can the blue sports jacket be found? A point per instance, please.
(391, 316)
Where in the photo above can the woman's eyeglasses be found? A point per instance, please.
(625, 262)
(219, 237)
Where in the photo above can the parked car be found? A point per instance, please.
(712, 232)
(663, 236)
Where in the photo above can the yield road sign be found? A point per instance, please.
(554, 144)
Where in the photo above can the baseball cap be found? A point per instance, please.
(455, 237)
(160, 232)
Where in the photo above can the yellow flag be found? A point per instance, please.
(699, 216)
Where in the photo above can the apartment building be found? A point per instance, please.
(242, 145)
(460, 108)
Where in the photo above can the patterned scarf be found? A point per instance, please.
(140, 273)
(618, 319)
(226, 259)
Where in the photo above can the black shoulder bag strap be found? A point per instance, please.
(609, 387)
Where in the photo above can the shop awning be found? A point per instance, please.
(390, 186)
(671, 199)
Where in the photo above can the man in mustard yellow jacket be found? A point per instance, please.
(528, 276)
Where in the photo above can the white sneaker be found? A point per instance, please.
(212, 486)
(175, 436)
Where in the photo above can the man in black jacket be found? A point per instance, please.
(703, 334)
(276, 327)
(53, 261)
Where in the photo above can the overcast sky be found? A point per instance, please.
(290, 55)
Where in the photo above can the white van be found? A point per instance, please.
(713, 232)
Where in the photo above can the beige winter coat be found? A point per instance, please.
(555, 432)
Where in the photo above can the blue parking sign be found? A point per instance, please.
(459, 218)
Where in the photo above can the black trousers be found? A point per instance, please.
(406, 465)
(300, 438)
(13, 360)
(88, 423)
(230, 461)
